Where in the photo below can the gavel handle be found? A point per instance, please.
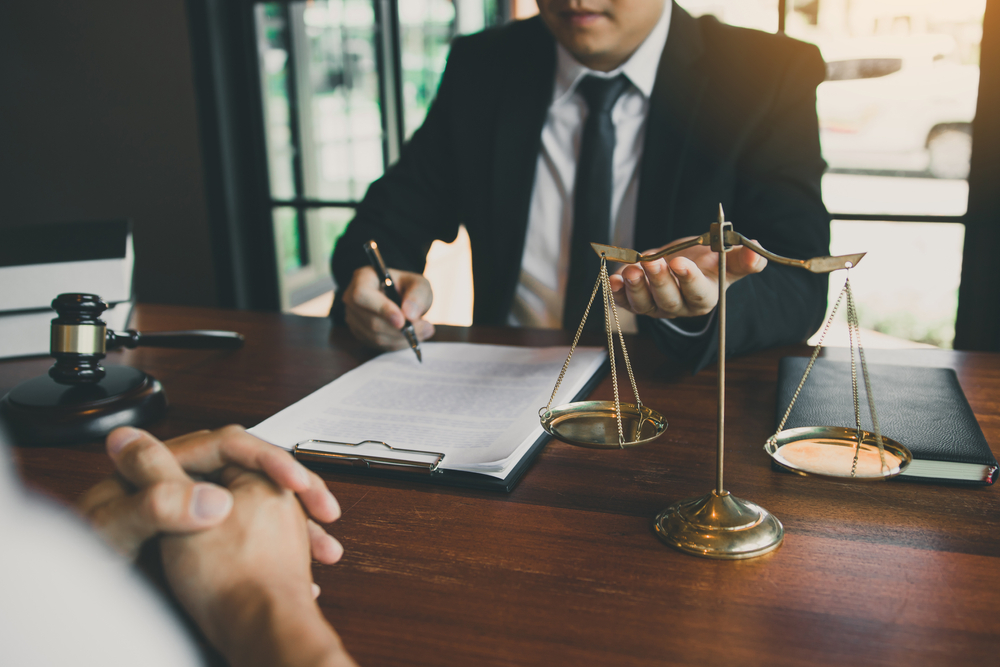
(196, 339)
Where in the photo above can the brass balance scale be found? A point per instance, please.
(718, 524)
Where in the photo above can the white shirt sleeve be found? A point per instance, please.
(673, 326)
(67, 599)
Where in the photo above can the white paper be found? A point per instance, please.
(476, 404)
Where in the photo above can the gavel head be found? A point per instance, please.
(78, 339)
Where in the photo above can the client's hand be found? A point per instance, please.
(153, 492)
(247, 582)
(685, 286)
(375, 320)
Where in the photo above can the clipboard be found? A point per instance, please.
(380, 459)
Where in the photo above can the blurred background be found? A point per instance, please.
(895, 116)
(240, 135)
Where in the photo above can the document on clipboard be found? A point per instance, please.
(466, 416)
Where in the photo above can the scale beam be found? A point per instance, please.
(731, 238)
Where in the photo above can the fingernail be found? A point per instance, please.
(122, 437)
(209, 501)
(335, 506)
(654, 267)
(633, 281)
(682, 272)
(315, 590)
(338, 548)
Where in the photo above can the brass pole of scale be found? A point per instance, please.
(718, 524)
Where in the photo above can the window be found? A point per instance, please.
(343, 83)
(895, 115)
(335, 87)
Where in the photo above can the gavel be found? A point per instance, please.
(80, 339)
(79, 399)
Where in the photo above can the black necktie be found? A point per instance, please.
(591, 196)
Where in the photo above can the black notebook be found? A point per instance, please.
(922, 408)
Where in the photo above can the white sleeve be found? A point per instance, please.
(676, 328)
(67, 599)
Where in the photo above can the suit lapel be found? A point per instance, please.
(524, 102)
(676, 97)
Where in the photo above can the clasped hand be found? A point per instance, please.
(154, 492)
(682, 285)
(236, 552)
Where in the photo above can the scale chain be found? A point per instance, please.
(621, 341)
(607, 296)
(852, 317)
(572, 349)
(610, 310)
(816, 350)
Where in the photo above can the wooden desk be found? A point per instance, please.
(566, 570)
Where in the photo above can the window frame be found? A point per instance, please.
(976, 327)
(227, 78)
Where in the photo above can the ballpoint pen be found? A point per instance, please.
(389, 288)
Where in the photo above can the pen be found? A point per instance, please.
(389, 288)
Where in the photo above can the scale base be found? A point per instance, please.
(41, 411)
(719, 526)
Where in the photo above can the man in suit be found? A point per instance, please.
(698, 114)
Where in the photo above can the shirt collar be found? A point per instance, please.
(640, 68)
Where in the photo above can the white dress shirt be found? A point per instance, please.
(538, 300)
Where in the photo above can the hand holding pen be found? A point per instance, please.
(378, 315)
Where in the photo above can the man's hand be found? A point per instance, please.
(685, 286)
(153, 492)
(247, 583)
(375, 320)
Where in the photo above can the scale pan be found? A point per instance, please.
(593, 424)
(828, 451)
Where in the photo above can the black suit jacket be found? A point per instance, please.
(732, 120)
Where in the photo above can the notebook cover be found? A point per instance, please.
(923, 408)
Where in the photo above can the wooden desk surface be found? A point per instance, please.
(566, 569)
